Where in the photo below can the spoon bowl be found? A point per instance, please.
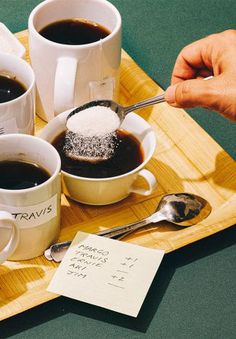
(183, 209)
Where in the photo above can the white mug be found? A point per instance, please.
(35, 210)
(93, 191)
(70, 75)
(17, 115)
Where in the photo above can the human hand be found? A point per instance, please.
(214, 55)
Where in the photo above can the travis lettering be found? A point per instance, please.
(32, 215)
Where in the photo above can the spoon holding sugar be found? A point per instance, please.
(93, 121)
(91, 128)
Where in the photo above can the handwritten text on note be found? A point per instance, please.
(107, 273)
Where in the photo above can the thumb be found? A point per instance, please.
(192, 93)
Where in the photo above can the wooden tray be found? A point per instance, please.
(187, 159)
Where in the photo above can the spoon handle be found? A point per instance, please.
(148, 102)
(56, 251)
(120, 230)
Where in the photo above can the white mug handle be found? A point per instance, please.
(64, 86)
(15, 235)
(151, 181)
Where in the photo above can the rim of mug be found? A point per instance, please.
(25, 63)
(135, 170)
(66, 46)
(49, 180)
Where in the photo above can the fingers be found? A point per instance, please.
(217, 94)
(191, 93)
(213, 55)
(192, 60)
(197, 92)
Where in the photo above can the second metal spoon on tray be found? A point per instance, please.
(182, 209)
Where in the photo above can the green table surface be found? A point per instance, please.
(194, 292)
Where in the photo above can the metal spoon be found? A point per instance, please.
(120, 110)
(182, 209)
(95, 148)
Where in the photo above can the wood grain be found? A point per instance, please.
(187, 159)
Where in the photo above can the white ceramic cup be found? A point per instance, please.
(17, 115)
(105, 191)
(70, 75)
(35, 210)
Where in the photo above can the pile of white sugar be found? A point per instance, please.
(91, 134)
(94, 121)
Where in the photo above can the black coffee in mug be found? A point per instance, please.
(74, 32)
(10, 88)
(128, 155)
(16, 175)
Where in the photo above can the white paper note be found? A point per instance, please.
(107, 273)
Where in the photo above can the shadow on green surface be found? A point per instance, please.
(63, 306)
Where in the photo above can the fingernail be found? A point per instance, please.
(170, 94)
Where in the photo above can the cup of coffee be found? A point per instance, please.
(30, 187)
(75, 51)
(110, 180)
(17, 95)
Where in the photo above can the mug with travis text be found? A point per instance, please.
(17, 95)
(100, 184)
(75, 50)
(30, 188)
